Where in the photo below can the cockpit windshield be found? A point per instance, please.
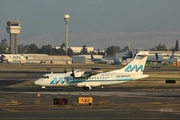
(45, 76)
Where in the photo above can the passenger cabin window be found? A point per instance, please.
(45, 76)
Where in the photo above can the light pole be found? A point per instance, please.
(66, 19)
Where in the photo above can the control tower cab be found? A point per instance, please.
(13, 28)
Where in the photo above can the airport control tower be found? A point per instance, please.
(13, 28)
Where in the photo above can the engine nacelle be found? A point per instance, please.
(85, 86)
(79, 85)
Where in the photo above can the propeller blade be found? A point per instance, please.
(72, 74)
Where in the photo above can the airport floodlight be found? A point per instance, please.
(66, 19)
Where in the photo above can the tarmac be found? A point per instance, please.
(30, 102)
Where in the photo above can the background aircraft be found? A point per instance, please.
(157, 58)
(101, 60)
(171, 59)
(113, 58)
(12, 58)
(160, 59)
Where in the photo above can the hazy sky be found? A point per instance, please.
(97, 23)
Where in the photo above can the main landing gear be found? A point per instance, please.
(43, 87)
(87, 88)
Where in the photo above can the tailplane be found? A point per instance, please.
(135, 66)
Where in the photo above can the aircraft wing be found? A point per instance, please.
(89, 73)
(86, 74)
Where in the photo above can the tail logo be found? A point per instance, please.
(130, 68)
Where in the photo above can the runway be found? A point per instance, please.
(31, 102)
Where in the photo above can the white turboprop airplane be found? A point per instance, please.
(87, 80)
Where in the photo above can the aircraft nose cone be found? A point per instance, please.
(36, 82)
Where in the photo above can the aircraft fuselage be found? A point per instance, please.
(95, 80)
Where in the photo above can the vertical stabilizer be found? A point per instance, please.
(157, 57)
(172, 55)
(91, 55)
(135, 66)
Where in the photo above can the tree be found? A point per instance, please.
(177, 46)
(152, 49)
(33, 48)
(100, 52)
(47, 49)
(62, 49)
(70, 52)
(112, 50)
(126, 48)
(159, 48)
(172, 48)
(4, 46)
(20, 48)
(23, 49)
(63, 45)
(84, 50)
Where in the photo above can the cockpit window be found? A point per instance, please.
(45, 77)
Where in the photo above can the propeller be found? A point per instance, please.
(72, 74)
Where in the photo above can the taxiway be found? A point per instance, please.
(30, 102)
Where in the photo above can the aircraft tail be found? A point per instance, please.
(157, 57)
(136, 66)
(172, 55)
(91, 55)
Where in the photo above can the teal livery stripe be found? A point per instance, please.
(116, 79)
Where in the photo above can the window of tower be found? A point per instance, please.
(14, 24)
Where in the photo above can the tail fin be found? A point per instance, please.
(91, 55)
(157, 57)
(172, 55)
(135, 66)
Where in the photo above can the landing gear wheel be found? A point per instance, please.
(86, 88)
(43, 87)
